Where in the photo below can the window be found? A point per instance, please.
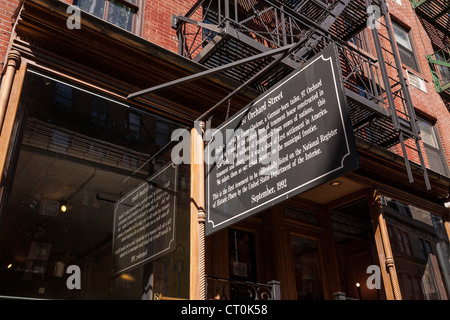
(431, 143)
(398, 235)
(406, 243)
(420, 251)
(405, 47)
(242, 255)
(121, 13)
(444, 71)
(134, 124)
(425, 247)
(101, 177)
(63, 98)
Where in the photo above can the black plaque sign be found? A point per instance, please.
(144, 221)
(315, 144)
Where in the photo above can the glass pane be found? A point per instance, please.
(355, 247)
(120, 15)
(436, 160)
(401, 36)
(95, 7)
(308, 276)
(92, 191)
(407, 57)
(427, 134)
(242, 255)
(424, 269)
(444, 71)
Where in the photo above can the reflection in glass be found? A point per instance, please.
(84, 158)
(95, 7)
(120, 15)
(422, 261)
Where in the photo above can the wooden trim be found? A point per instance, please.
(10, 116)
(387, 265)
(13, 62)
(401, 195)
(197, 223)
(447, 227)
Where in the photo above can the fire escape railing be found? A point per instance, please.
(436, 12)
(439, 63)
(220, 34)
(232, 289)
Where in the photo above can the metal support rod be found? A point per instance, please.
(294, 47)
(384, 74)
(211, 71)
(398, 65)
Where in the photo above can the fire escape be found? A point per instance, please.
(259, 42)
(435, 17)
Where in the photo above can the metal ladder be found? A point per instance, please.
(396, 89)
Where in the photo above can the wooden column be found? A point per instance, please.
(197, 246)
(447, 226)
(12, 65)
(388, 271)
(10, 93)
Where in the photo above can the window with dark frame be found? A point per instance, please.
(242, 255)
(431, 143)
(121, 13)
(405, 47)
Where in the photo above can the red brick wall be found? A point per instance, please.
(157, 21)
(431, 102)
(156, 27)
(7, 9)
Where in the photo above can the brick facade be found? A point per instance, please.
(429, 104)
(7, 9)
(156, 27)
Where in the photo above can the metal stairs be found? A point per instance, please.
(236, 38)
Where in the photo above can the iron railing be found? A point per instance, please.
(216, 33)
(228, 289)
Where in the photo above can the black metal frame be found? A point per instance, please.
(274, 37)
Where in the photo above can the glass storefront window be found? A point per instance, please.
(421, 250)
(91, 188)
